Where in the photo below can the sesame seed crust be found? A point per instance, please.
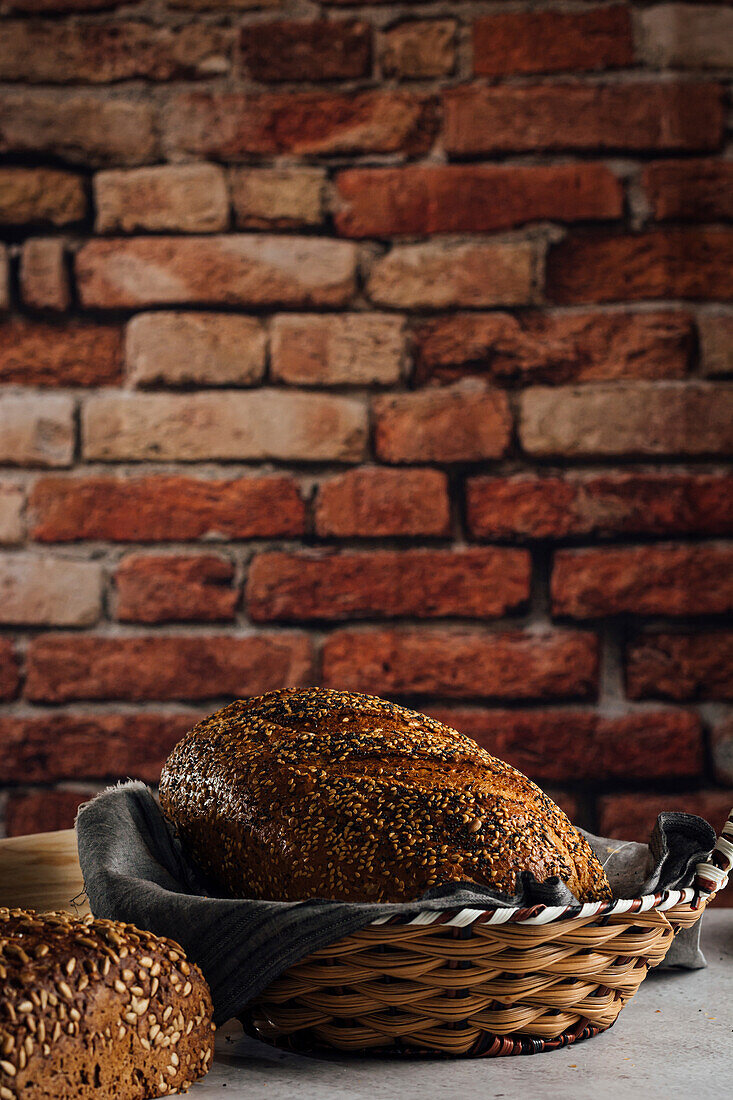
(318, 793)
(97, 1007)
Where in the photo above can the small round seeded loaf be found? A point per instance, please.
(317, 793)
(97, 1008)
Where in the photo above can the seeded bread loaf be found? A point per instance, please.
(317, 793)
(97, 1008)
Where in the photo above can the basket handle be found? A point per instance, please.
(712, 875)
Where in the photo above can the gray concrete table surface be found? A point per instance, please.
(674, 1039)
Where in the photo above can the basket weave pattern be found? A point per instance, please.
(490, 983)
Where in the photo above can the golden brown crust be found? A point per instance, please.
(318, 793)
(96, 1007)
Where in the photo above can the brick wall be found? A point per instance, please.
(379, 346)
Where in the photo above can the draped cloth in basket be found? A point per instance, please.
(135, 870)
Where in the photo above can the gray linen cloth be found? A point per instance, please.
(135, 870)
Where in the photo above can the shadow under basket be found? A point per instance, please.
(481, 982)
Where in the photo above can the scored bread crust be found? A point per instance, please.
(97, 1008)
(319, 793)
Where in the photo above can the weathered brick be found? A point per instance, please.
(463, 663)
(231, 125)
(419, 49)
(247, 270)
(9, 669)
(71, 353)
(51, 747)
(474, 584)
(264, 424)
(211, 349)
(4, 278)
(695, 190)
(203, 666)
(36, 7)
(638, 116)
(554, 347)
(441, 198)
(191, 198)
(351, 349)
(721, 744)
(12, 523)
(65, 52)
(163, 588)
(165, 508)
(555, 506)
(633, 816)
(37, 430)
(84, 128)
(552, 41)
(43, 811)
(277, 198)
(680, 666)
(628, 418)
(643, 580)
(317, 50)
(45, 591)
(551, 745)
(716, 342)
(40, 195)
(372, 502)
(685, 36)
(44, 280)
(223, 5)
(444, 274)
(662, 263)
(464, 423)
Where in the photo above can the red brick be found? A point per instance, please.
(633, 816)
(373, 503)
(43, 811)
(37, 429)
(44, 280)
(463, 663)
(466, 423)
(425, 199)
(275, 424)
(662, 263)
(246, 269)
(629, 418)
(442, 274)
(553, 348)
(232, 126)
(603, 504)
(680, 666)
(314, 50)
(163, 589)
(165, 508)
(643, 580)
(695, 190)
(638, 116)
(419, 49)
(71, 353)
(421, 584)
(550, 746)
(83, 127)
(4, 277)
(64, 667)
(552, 41)
(52, 747)
(40, 195)
(64, 52)
(9, 669)
(722, 750)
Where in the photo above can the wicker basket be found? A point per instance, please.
(474, 982)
